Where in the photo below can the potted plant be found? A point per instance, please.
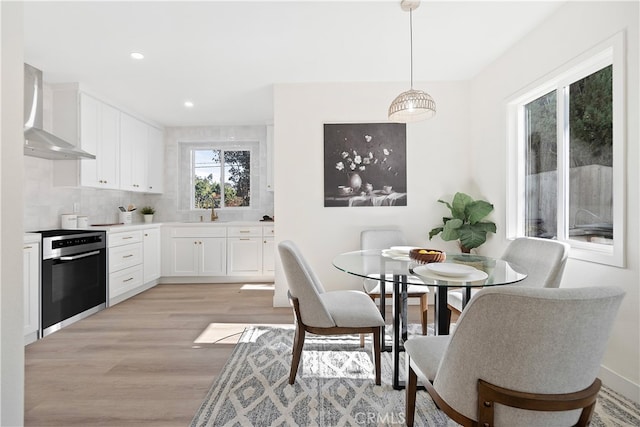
(465, 223)
(148, 212)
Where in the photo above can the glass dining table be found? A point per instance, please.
(462, 271)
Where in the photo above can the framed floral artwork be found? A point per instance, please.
(365, 164)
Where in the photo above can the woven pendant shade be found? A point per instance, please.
(412, 106)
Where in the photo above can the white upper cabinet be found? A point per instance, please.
(93, 126)
(129, 152)
(133, 149)
(155, 160)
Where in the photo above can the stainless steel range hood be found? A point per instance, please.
(38, 142)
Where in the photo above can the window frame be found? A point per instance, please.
(186, 175)
(609, 52)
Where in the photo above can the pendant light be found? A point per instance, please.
(412, 105)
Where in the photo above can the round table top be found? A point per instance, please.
(458, 270)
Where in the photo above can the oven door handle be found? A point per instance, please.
(75, 257)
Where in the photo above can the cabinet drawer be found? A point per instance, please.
(125, 256)
(199, 232)
(119, 239)
(268, 231)
(125, 280)
(244, 231)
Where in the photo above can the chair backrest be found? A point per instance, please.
(534, 340)
(381, 239)
(304, 285)
(378, 239)
(543, 259)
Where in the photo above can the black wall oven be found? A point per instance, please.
(74, 277)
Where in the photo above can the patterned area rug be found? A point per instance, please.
(334, 387)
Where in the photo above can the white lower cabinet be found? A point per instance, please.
(268, 256)
(244, 256)
(151, 254)
(217, 250)
(244, 251)
(31, 281)
(195, 251)
(125, 264)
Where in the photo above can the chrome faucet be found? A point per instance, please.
(213, 212)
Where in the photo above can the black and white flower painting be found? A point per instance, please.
(365, 164)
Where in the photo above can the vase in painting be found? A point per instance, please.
(355, 181)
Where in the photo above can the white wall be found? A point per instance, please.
(573, 29)
(11, 141)
(437, 166)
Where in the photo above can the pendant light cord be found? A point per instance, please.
(411, 43)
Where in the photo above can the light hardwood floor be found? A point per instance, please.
(148, 361)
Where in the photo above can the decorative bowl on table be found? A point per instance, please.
(425, 256)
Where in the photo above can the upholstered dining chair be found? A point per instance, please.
(384, 239)
(518, 348)
(326, 313)
(544, 260)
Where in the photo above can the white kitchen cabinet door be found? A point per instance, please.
(99, 135)
(213, 255)
(184, 256)
(155, 160)
(244, 256)
(268, 256)
(31, 281)
(151, 253)
(133, 149)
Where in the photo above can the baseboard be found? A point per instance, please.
(133, 292)
(619, 384)
(173, 280)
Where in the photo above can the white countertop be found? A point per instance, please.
(114, 228)
(31, 238)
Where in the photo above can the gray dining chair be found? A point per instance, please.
(543, 259)
(326, 313)
(384, 239)
(513, 349)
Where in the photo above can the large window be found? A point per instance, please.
(221, 177)
(567, 148)
(218, 175)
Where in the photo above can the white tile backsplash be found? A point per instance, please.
(44, 203)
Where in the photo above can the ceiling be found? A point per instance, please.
(226, 56)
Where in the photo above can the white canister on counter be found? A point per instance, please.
(68, 221)
(83, 221)
(126, 217)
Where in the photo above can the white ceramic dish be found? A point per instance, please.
(402, 250)
(450, 269)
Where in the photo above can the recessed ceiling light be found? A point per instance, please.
(137, 55)
(188, 104)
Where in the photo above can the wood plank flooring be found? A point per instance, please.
(148, 361)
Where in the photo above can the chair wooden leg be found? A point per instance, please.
(298, 343)
(361, 340)
(376, 354)
(424, 304)
(412, 386)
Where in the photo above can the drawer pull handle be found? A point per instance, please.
(245, 231)
(128, 280)
(127, 237)
(127, 256)
(28, 247)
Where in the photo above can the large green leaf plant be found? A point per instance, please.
(465, 223)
